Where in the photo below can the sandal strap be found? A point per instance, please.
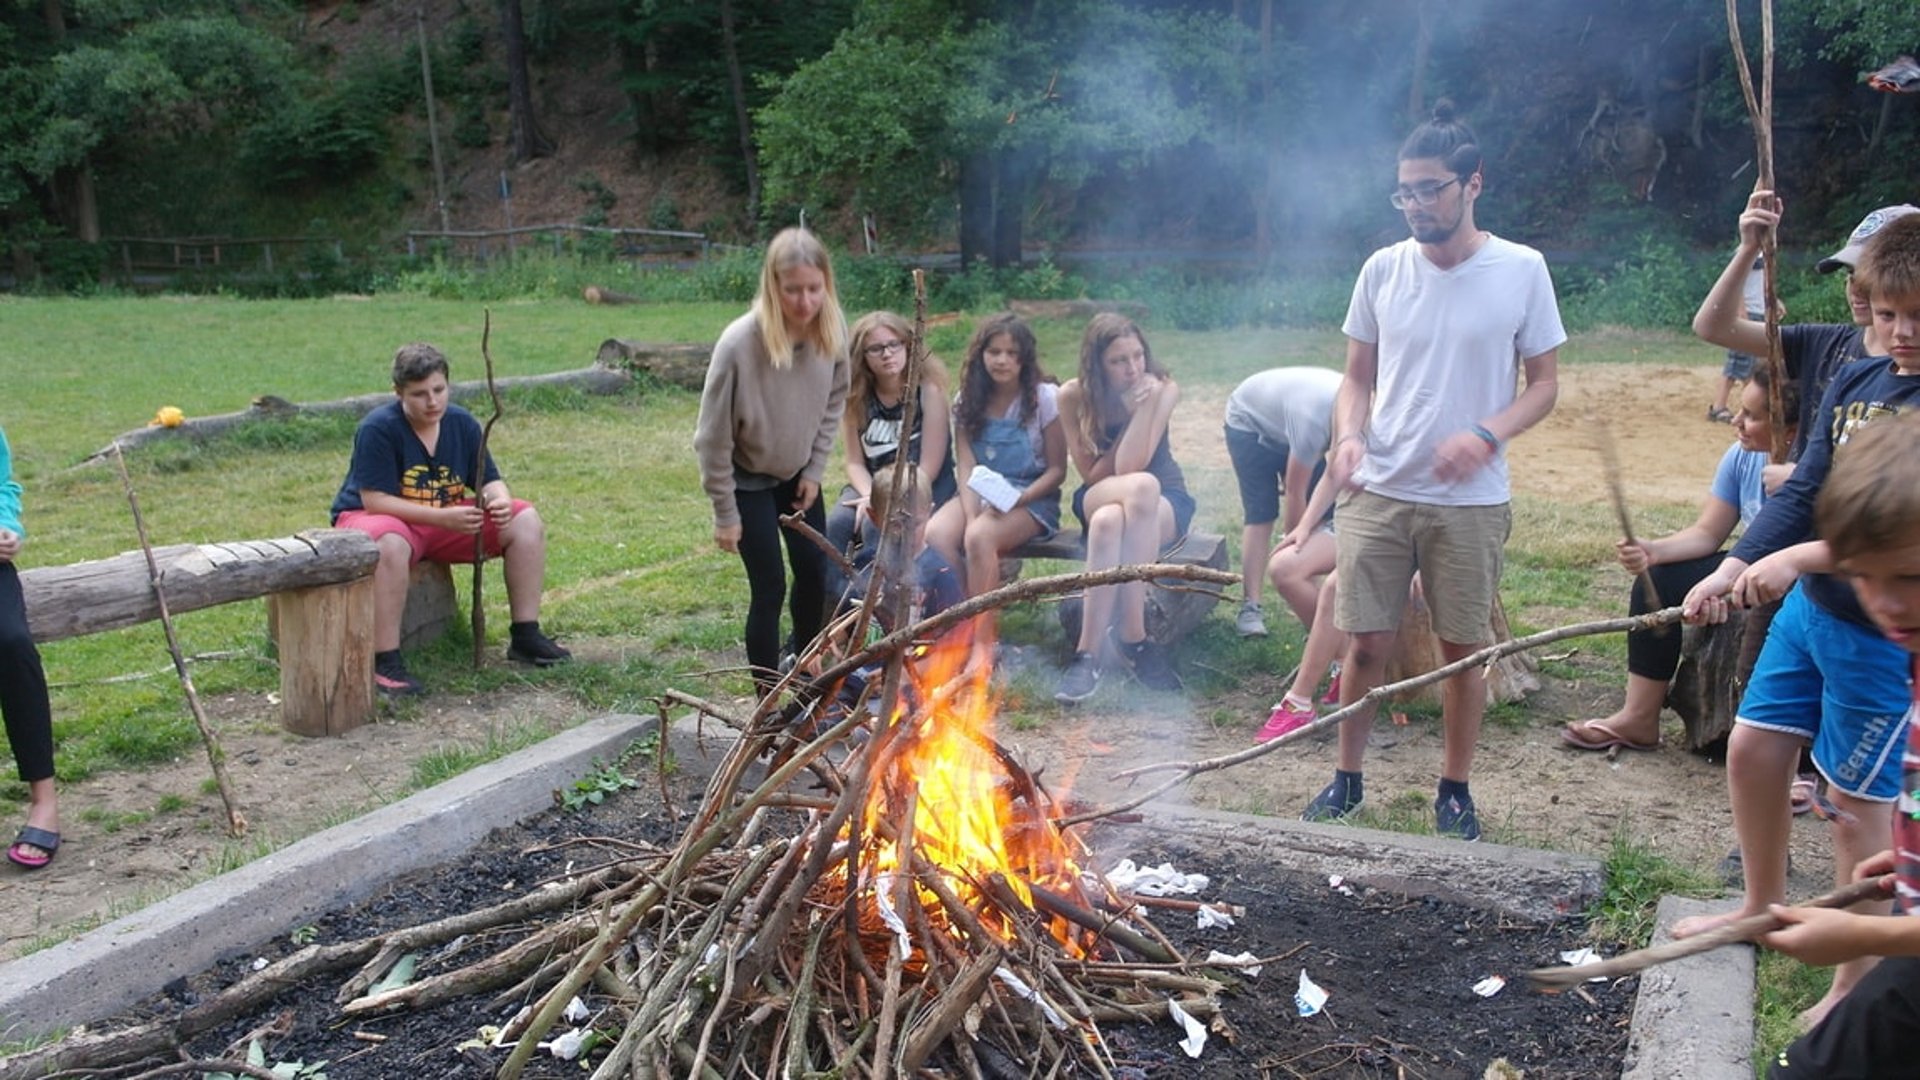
(37, 837)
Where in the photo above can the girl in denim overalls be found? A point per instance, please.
(1006, 419)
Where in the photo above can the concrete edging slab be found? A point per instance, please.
(108, 969)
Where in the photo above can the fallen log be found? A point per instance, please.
(676, 363)
(598, 379)
(597, 294)
(1075, 309)
(107, 594)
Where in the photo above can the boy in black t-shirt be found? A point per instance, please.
(410, 486)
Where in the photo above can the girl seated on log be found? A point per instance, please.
(1132, 498)
(1012, 455)
(1675, 564)
(23, 690)
(876, 409)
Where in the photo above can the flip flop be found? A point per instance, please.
(30, 836)
(1577, 734)
(1800, 796)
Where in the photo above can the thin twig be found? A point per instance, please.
(216, 757)
(479, 619)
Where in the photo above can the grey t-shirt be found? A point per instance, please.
(1287, 407)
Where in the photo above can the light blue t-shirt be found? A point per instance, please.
(1738, 481)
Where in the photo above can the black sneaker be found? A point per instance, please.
(538, 649)
(1082, 678)
(391, 677)
(1453, 816)
(1150, 665)
(1334, 802)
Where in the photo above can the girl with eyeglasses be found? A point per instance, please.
(774, 393)
(876, 410)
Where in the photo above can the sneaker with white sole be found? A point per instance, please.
(1251, 622)
(1286, 718)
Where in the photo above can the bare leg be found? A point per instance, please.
(1325, 641)
(1638, 718)
(524, 551)
(1149, 525)
(1463, 706)
(1106, 528)
(43, 811)
(390, 576)
(1296, 574)
(1760, 765)
(1870, 834)
(1254, 542)
(1366, 668)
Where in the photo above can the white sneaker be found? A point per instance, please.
(1250, 623)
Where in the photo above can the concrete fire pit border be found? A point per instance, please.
(1693, 1019)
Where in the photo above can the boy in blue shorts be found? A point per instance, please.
(1826, 675)
(1869, 513)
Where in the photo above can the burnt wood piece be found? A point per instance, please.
(598, 379)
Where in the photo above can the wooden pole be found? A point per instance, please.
(236, 822)
(479, 494)
(1760, 113)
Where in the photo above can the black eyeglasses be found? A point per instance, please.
(1419, 194)
(881, 348)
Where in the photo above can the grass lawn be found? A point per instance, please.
(633, 559)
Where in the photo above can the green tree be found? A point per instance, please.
(921, 105)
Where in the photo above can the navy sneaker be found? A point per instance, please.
(1336, 800)
(1453, 816)
(1082, 678)
(391, 677)
(1150, 664)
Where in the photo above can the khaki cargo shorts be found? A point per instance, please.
(1458, 551)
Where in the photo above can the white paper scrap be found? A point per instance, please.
(1013, 982)
(883, 899)
(1243, 961)
(997, 490)
(1309, 999)
(1582, 956)
(1162, 880)
(1339, 884)
(1208, 918)
(1489, 986)
(1196, 1039)
(576, 1011)
(259, 963)
(567, 1047)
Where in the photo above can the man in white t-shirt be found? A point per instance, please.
(1438, 329)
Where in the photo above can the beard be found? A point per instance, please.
(1433, 231)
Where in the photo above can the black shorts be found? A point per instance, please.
(1873, 1033)
(1260, 469)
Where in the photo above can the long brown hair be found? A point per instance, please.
(976, 386)
(1103, 409)
(932, 372)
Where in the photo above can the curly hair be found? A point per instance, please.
(976, 386)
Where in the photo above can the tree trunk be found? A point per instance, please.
(1269, 184)
(529, 141)
(976, 208)
(1012, 169)
(737, 83)
(1422, 45)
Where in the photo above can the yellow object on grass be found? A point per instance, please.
(167, 416)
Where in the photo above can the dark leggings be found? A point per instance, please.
(23, 685)
(1655, 654)
(760, 540)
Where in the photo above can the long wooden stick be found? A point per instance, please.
(1187, 770)
(480, 496)
(236, 821)
(1742, 929)
(1760, 113)
(1610, 465)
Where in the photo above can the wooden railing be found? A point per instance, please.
(174, 254)
(480, 243)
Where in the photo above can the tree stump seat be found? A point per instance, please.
(1715, 663)
(1172, 613)
(432, 605)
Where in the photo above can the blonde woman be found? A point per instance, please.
(774, 393)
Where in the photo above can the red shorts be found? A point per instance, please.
(428, 542)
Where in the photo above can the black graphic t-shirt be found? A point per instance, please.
(388, 457)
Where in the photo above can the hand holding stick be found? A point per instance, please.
(1744, 929)
(1610, 462)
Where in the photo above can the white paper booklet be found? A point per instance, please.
(991, 486)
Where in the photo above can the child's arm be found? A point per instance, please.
(1770, 578)
(1703, 537)
(1332, 482)
(1824, 936)
(1722, 318)
(1055, 442)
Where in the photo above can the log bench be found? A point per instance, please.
(1172, 613)
(319, 590)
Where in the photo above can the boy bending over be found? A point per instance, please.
(410, 486)
(1869, 513)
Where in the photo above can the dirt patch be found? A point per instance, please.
(121, 853)
(1399, 973)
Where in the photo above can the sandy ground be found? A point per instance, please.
(1529, 789)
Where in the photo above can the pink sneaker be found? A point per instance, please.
(1333, 691)
(1285, 719)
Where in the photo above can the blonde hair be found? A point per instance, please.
(914, 489)
(932, 371)
(791, 248)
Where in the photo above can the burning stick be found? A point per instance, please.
(236, 821)
(1744, 929)
(480, 495)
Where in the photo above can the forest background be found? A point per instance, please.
(1239, 151)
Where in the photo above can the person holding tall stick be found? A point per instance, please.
(23, 689)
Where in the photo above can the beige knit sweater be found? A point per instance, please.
(762, 419)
